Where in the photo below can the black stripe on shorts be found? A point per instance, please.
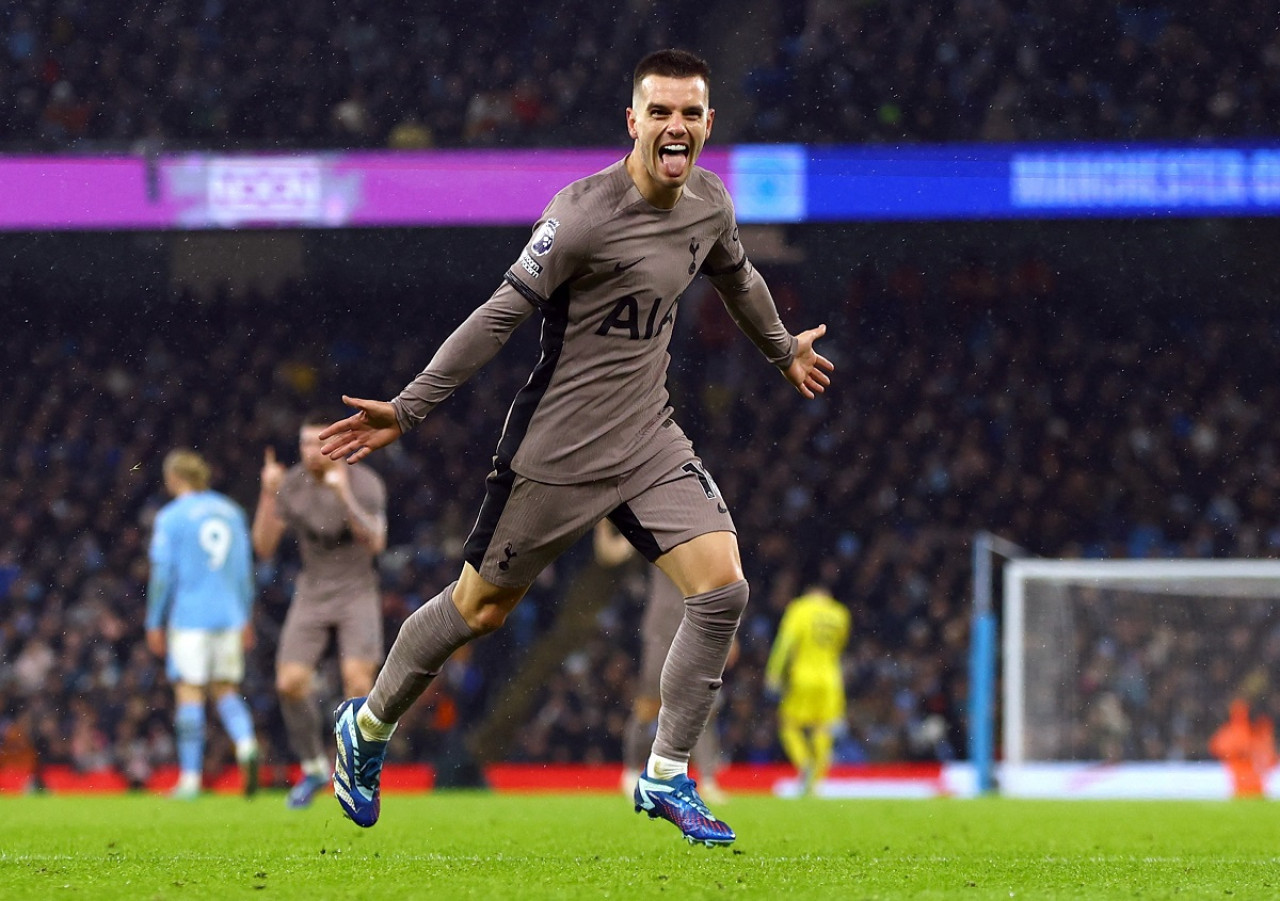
(497, 491)
(641, 538)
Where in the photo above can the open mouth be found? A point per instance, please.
(673, 159)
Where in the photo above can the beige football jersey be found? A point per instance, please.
(607, 270)
(334, 564)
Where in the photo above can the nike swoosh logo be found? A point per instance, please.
(621, 268)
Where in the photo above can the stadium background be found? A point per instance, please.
(1087, 388)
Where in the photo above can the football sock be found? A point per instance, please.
(317, 767)
(691, 676)
(664, 768)
(823, 745)
(302, 726)
(427, 638)
(234, 713)
(189, 727)
(371, 727)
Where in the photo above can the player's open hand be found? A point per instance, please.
(374, 425)
(808, 371)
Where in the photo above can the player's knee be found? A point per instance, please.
(723, 605)
(292, 688)
(486, 618)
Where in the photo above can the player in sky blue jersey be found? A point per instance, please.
(199, 601)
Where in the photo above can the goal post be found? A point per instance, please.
(1117, 673)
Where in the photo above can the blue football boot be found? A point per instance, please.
(357, 772)
(677, 801)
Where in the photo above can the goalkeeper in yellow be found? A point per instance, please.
(804, 671)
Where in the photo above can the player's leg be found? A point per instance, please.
(663, 613)
(226, 674)
(638, 734)
(707, 570)
(464, 610)
(708, 761)
(522, 527)
(303, 639)
(189, 730)
(234, 713)
(795, 744)
(824, 742)
(674, 515)
(189, 665)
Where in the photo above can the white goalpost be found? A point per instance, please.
(1117, 673)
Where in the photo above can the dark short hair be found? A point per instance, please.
(318, 417)
(671, 64)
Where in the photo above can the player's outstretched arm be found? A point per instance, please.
(372, 426)
(808, 369)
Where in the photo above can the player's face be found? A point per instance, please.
(309, 448)
(670, 121)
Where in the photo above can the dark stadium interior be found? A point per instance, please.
(1094, 389)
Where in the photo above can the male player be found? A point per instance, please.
(339, 515)
(663, 613)
(591, 434)
(201, 591)
(804, 671)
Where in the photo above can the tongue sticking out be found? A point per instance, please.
(673, 164)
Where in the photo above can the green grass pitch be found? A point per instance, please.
(479, 845)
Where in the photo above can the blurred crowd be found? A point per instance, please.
(232, 74)
(983, 394)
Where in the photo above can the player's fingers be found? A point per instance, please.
(826, 364)
(341, 445)
(341, 427)
(269, 457)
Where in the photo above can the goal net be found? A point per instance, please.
(1117, 674)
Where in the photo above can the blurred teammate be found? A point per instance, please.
(339, 515)
(663, 613)
(591, 434)
(199, 599)
(804, 669)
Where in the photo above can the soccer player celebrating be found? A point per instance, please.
(339, 515)
(804, 671)
(201, 592)
(591, 434)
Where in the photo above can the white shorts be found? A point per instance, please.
(201, 656)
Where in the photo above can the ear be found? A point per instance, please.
(711, 118)
(631, 123)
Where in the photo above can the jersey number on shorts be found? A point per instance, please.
(704, 479)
